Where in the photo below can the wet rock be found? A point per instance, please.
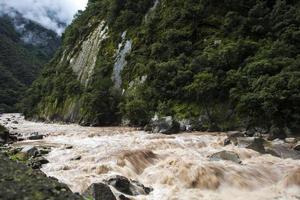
(291, 140)
(35, 136)
(45, 151)
(165, 125)
(227, 141)
(76, 158)
(36, 163)
(4, 135)
(15, 122)
(297, 146)
(30, 151)
(277, 133)
(123, 197)
(283, 150)
(125, 186)
(226, 155)
(256, 144)
(68, 147)
(99, 191)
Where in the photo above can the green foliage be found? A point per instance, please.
(20, 63)
(233, 62)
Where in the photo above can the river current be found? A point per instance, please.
(176, 166)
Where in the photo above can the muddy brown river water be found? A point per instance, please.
(176, 166)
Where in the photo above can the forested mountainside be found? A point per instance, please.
(25, 47)
(226, 63)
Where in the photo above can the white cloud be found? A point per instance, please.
(49, 13)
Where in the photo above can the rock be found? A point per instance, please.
(256, 144)
(283, 150)
(37, 163)
(25, 183)
(76, 158)
(123, 197)
(297, 146)
(45, 151)
(226, 155)
(4, 135)
(15, 122)
(291, 140)
(165, 125)
(277, 133)
(99, 191)
(125, 186)
(227, 141)
(35, 136)
(69, 147)
(31, 151)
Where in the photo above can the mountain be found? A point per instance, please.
(226, 63)
(25, 47)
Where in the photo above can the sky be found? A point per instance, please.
(40, 11)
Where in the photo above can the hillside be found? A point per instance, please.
(227, 64)
(24, 48)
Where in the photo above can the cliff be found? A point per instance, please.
(226, 64)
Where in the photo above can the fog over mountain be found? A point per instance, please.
(52, 14)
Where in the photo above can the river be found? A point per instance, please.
(176, 166)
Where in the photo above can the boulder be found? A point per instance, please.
(4, 135)
(283, 150)
(256, 144)
(165, 125)
(297, 146)
(226, 155)
(36, 163)
(31, 151)
(35, 136)
(291, 140)
(125, 186)
(99, 191)
(277, 133)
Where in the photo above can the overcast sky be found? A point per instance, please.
(38, 10)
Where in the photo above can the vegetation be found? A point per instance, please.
(20, 62)
(234, 63)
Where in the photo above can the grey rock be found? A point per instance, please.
(165, 125)
(226, 155)
(76, 158)
(256, 144)
(297, 146)
(30, 151)
(125, 186)
(36, 163)
(283, 150)
(99, 191)
(291, 140)
(35, 136)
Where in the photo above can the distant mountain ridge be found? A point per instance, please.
(25, 47)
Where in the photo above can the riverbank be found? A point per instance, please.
(184, 166)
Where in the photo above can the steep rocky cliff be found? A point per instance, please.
(224, 63)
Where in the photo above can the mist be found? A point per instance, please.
(52, 14)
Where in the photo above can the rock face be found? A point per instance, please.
(18, 181)
(125, 186)
(99, 191)
(226, 155)
(165, 125)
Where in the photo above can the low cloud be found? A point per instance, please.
(52, 14)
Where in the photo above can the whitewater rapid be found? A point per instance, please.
(176, 166)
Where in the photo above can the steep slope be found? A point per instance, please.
(225, 63)
(24, 47)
